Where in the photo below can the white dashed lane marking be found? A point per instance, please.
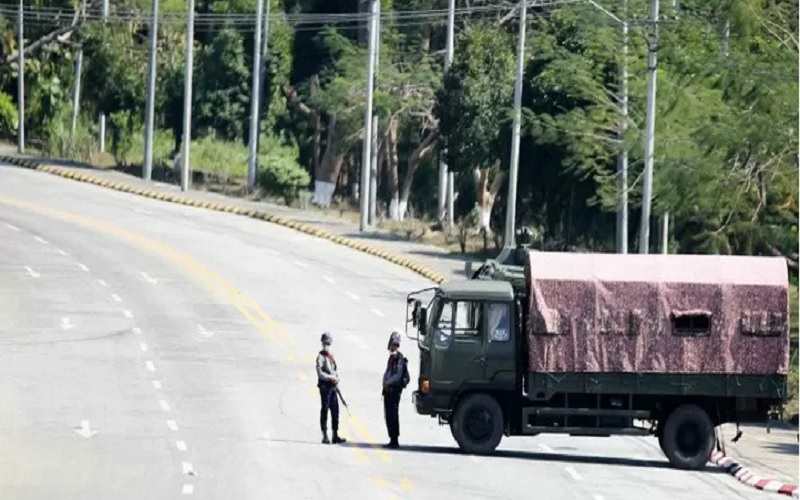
(62, 252)
(187, 468)
(41, 240)
(116, 297)
(300, 264)
(102, 283)
(329, 280)
(83, 267)
(157, 385)
(150, 366)
(127, 313)
(181, 445)
(377, 313)
(32, 273)
(572, 472)
(353, 296)
(164, 405)
(188, 489)
(173, 426)
(13, 227)
(143, 346)
(137, 331)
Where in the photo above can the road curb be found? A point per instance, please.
(221, 207)
(751, 478)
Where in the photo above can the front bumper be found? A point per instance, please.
(423, 403)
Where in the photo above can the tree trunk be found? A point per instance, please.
(422, 152)
(391, 166)
(327, 174)
(486, 197)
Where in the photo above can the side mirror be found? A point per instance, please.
(423, 320)
(415, 313)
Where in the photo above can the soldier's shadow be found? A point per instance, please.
(531, 455)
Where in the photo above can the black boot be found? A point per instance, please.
(393, 444)
(325, 439)
(337, 439)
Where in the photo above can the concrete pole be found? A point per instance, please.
(252, 160)
(367, 143)
(187, 96)
(147, 168)
(448, 61)
(102, 133)
(451, 186)
(373, 169)
(21, 79)
(622, 160)
(649, 135)
(665, 233)
(511, 207)
(262, 91)
(76, 94)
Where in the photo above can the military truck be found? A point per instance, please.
(604, 344)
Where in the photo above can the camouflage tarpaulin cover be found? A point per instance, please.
(657, 313)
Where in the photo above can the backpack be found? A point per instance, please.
(406, 376)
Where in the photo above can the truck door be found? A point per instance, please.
(499, 346)
(457, 354)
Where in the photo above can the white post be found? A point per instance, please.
(252, 160)
(187, 96)
(511, 207)
(76, 94)
(102, 133)
(21, 79)
(622, 166)
(665, 233)
(649, 135)
(448, 61)
(367, 143)
(147, 167)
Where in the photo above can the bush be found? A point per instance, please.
(59, 143)
(219, 159)
(131, 150)
(279, 172)
(8, 116)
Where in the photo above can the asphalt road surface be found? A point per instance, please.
(151, 350)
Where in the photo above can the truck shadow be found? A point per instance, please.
(535, 456)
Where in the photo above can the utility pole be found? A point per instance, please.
(76, 89)
(649, 135)
(367, 144)
(187, 96)
(373, 169)
(21, 79)
(264, 61)
(665, 233)
(448, 61)
(147, 168)
(103, 115)
(622, 160)
(252, 160)
(76, 94)
(511, 204)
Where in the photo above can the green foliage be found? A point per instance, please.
(8, 116)
(474, 103)
(60, 143)
(223, 88)
(279, 173)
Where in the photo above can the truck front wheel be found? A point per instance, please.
(477, 424)
(688, 437)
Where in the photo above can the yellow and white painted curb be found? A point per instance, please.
(87, 177)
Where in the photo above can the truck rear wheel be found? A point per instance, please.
(688, 437)
(477, 425)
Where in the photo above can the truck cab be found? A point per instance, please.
(467, 336)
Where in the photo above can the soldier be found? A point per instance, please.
(395, 379)
(327, 379)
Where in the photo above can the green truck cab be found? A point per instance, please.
(600, 345)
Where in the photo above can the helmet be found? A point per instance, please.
(394, 338)
(326, 338)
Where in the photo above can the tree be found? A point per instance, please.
(473, 106)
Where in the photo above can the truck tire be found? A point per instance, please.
(477, 425)
(688, 437)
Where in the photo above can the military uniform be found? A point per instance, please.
(327, 379)
(395, 378)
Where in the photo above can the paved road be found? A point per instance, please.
(150, 350)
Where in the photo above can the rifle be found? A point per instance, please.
(339, 393)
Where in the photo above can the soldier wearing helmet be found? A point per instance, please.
(327, 379)
(395, 379)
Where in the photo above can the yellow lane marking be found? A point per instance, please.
(244, 304)
(406, 484)
(302, 376)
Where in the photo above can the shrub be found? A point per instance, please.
(8, 116)
(279, 172)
